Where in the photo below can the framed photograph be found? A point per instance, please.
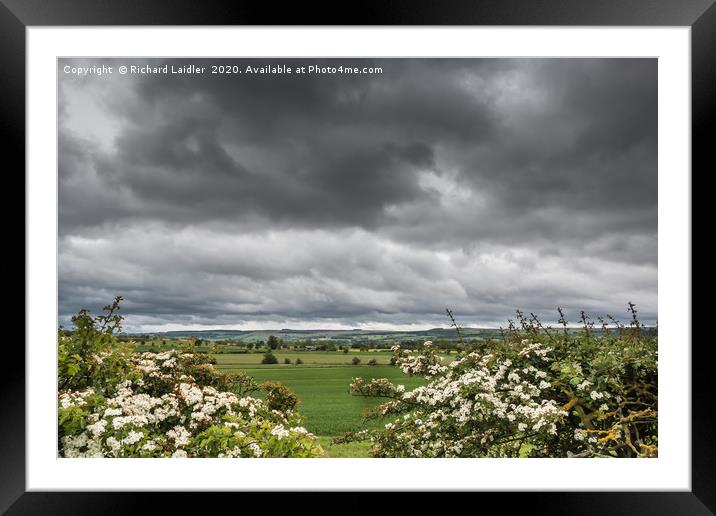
(429, 248)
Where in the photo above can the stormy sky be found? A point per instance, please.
(359, 201)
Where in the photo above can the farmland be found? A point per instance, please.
(321, 383)
(309, 358)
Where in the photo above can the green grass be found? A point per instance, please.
(346, 450)
(321, 384)
(325, 401)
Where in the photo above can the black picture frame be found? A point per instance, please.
(17, 15)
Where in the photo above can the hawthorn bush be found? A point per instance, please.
(113, 402)
(279, 397)
(539, 392)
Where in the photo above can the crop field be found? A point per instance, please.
(321, 383)
(317, 358)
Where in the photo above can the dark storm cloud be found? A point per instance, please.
(286, 147)
(590, 142)
(484, 184)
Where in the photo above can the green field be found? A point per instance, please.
(321, 383)
(334, 358)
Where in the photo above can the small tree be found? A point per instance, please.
(269, 358)
(355, 361)
(372, 361)
(299, 361)
(286, 360)
(345, 350)
(273, 342)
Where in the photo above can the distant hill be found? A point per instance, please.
(342, 336)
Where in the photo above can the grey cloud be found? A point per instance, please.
(536, 178)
